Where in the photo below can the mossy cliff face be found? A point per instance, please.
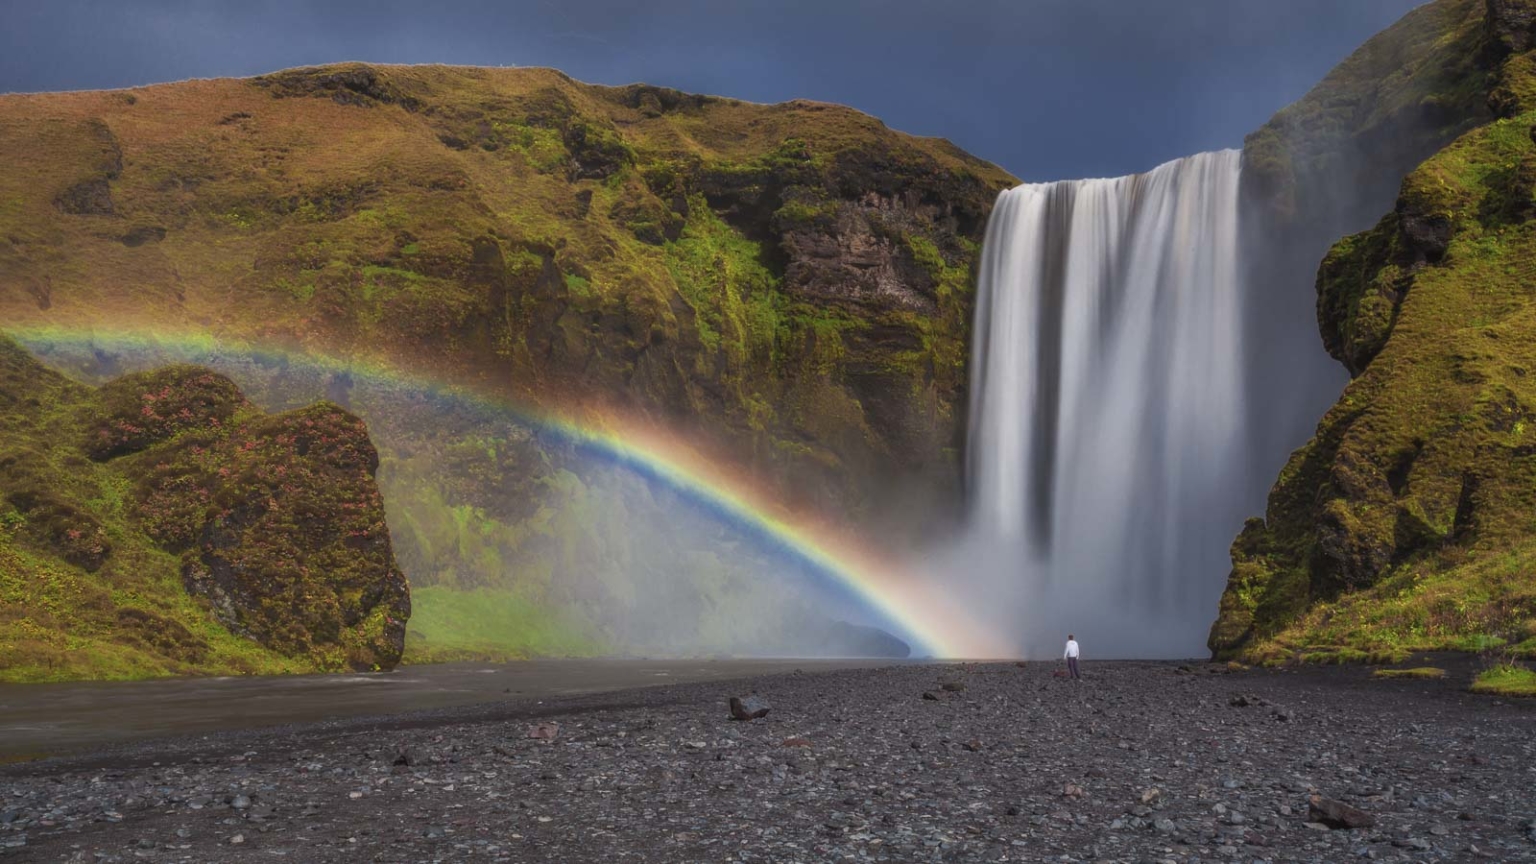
(1406, 523)
(793, 281)
(1403, 95)
(163, 525)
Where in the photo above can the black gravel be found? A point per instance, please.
(1139, 762)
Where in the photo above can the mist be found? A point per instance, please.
(519, 541)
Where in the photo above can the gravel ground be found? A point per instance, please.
(996, 762)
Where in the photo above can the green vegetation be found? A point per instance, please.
(791, 283)
(162, 525)
(734, 295)
(1506, 679)
(1430, 672)
(1405, 525)
(488, 624)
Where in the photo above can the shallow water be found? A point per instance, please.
(45, 719)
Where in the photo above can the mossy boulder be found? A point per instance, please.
(161, 524)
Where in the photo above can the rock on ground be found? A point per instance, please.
(1140, 762)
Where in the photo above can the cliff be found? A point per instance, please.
(785, 287)
(162, 525)
(1405, 524)
(793, 279)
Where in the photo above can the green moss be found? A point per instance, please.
(1404, 524)
(733, 293)
(1423, 672)
(491, 624)
(1506, 680)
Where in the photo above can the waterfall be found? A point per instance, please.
(1105, 462)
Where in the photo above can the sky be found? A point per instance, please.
(1049, 89)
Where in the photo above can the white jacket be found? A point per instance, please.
(1071, 649)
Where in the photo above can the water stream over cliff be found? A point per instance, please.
(1106, 464)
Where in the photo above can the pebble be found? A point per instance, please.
(1015, 766)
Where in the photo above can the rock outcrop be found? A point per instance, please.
(1405, 523)
(118, 506)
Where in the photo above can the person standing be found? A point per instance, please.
(1071, 655)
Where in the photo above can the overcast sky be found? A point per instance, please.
(1048, 89)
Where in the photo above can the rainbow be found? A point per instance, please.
(937, 625)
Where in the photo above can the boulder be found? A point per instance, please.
(748, 709)
(1337, 814)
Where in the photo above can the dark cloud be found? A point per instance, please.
(1046, 88)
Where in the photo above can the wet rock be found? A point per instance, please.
(748, 709)
(546, 732)
(1337, 814)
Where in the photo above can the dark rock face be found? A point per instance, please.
(92, 196)
(352, 84)
(1511, 25)
(88, 197)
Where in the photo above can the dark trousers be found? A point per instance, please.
(1072, 667)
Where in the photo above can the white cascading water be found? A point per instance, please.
(1106, 472)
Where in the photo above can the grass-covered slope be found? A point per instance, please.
(162, 525)
(794, 279)
(788, 285)
(1408, 523)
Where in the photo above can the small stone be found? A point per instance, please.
(240, 802)
(1151, 796)
(237, 840)
(953, 686)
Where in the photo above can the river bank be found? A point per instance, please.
(994, 762)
